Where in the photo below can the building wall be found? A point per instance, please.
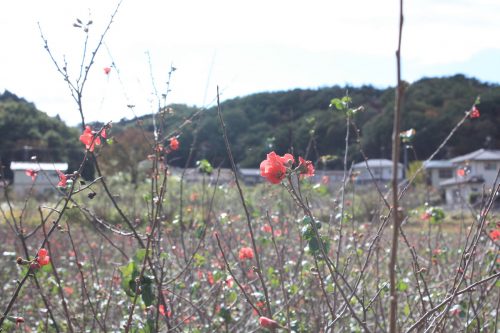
(489, 171)
(486, 169)
(456, 193)
(379, 173)
(436, 175)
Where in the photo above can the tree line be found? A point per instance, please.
(298, 121)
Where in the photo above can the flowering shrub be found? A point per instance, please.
(275, 168)
(148, 259)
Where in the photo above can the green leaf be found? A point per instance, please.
(225, 313)
(402, 286)
(406, 310)
(139, 256)
(199, 260)
(147, 290)
(128, 273)
(337, 103)
(204, 166)
(232, 296)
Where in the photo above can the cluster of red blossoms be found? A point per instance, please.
(245, 253)
(495, 234)
(90, 139)
(474, 113)
(42, 259)
(275, 168)
(174, 143)
(63, 179)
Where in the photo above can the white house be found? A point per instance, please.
(193, 175)
(473, 171)
(42, 180)
(380, 168)
(438, 171)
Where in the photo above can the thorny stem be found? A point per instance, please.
(249, 223)
(342, 210)
(395, 203)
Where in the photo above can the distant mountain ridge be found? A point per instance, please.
(301, 122)
(283, 121)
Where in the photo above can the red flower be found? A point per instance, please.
(288, 160)
(245, 253)
(107, 70)
(88, 139)
(266, 228)
(495, 234)
(174, 143)
(461, 172)
(162, 311)
(42, 257)
(306, 168)
(69, 290)
(62, 179)
(474, 112)
(273, 168)
(31, 173)
(229, 282)
(210, 278)
(19, 321)
(425, 216)
(43, 252)
(268, 323)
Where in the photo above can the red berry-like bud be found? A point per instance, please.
(268, 323)
(42, 252)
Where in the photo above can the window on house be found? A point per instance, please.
(445, 173)
(490, 166)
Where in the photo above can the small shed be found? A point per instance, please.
(381, 170)
(41, 178)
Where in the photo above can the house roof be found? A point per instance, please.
(375, 163)
(38, 166)
(462, 180)
(249, 172)
(478, 155)
(438, 164)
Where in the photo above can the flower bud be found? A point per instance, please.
(268, 323)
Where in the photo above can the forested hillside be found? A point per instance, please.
(298, 120)
(25, 132)
(302, 120)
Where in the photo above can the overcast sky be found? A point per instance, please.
(243, 46)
